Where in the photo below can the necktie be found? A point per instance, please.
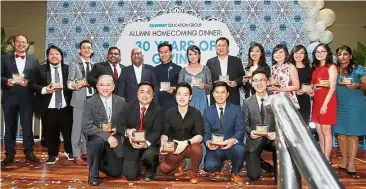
(17, 56)
(58, 100)
(90, 90)
(263, 115)
(221, 117)
(115, 72)
(108, 110)
(143, 109)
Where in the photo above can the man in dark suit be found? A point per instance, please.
(104, 145)
(140, 116)
(225, 65)
(133, 75)
(225, 120)
(17, 98)
(111, 67)
(49, 81)
(254, 114)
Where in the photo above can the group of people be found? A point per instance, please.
(120, 119)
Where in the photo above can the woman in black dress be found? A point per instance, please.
(299, 58)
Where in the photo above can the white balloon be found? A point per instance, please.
(310, 48)
(309, 24)
(313, 13)
(31, 50)
(306, 3)
(319, 4)
(326, 37)
(313, 35)
(320, 26)
(327, 16)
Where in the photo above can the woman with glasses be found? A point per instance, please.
(351, 110)
(299, 58)
(285, 75)
(324, 102)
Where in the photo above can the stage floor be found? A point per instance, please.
(65, 174)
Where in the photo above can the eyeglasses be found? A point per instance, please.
(321, 52)
(259, 80)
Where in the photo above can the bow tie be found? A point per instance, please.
(17, 56)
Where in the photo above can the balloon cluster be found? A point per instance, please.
(318, 20)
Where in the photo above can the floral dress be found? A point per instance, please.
(282, 74)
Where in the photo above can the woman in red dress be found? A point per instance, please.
(324, 102)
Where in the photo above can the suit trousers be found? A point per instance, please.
(214, 158)
(148, 157)
(56, 120)
(103, 158)
(172, 161)
(11, 112)
(77, 137)
(253, 159)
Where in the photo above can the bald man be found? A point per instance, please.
(101, 117)
(133, 75)
(111, 67)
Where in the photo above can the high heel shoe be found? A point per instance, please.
(352, 174)
(342, 169)
(330, 162)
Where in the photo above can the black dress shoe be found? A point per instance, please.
(267, 166)
(32, 158)
(342, 169)
(92, 181)
(149, 176)
(7, 160)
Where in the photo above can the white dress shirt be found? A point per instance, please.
(108, 107)
(20, 64)
(85, 67)
(52, 104)
(260, 101)
(219, 111)
(118, 67)
(223, 65)
(138, 73)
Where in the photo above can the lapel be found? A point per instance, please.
(143, 73)
(135, 116)
(229, 66)
(133, 75)
(64, 73)
(226, 114)
(48, 73)
(14, 64)
(148, 114)
(108, 68)
(254, 104)
(114, 108)
(28, 65)
(217, 65)
(102, 114)
(81, 68)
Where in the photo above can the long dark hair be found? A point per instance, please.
(195, 49)
(351, 65)
(262, 58)
(56, 48)
(277, 48)
(296, 49)
(328, 59)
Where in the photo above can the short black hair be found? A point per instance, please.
(195, 49)
(114, 47)
(220, 84)
(222, 39)
(84, 41)
(56, 48)
(15, 37)
(146, 83)
(260, 71)
(184, 84)
(165, 44)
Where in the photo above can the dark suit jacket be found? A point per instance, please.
(94, 113)
(153, 126)
(252, 117)
(127, 83)
(102, 68)
(248, 87)
(16, 93)
(234, 70)
(42, 78)
(233, 122)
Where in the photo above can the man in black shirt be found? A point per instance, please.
(184, 126)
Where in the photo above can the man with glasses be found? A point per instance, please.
(255, 116)
(111, 67)
(16, 69)
(134, 74)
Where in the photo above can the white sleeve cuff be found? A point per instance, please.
(148, 143)
(44, 90)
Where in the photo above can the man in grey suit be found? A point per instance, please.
(101, 116)
(255, 115)
(81, 91)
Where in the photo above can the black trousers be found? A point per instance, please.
(11, 112)
(253, 159)
(56, 120)
(148, 157)
(103, 158)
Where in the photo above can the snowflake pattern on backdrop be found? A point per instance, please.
(266, 22)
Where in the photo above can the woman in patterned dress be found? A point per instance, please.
(324, 108)
(285, 73)
(351, 111)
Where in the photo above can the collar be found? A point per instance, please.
(83, 60)
(147, 106)
(225, 59)
(259, 98)
(103, 99)
(218, 108)
(190, 109)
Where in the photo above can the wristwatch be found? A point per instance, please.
(189, 142)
